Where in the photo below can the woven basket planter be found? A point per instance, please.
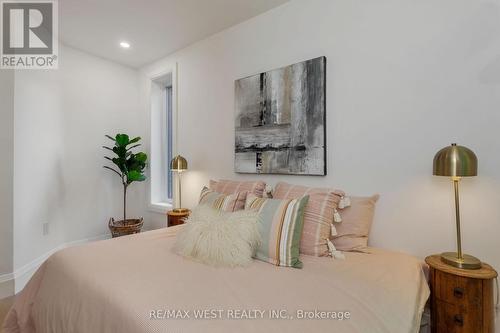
(127, 227)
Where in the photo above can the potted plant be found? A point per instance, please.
(130, 168)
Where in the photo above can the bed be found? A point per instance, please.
(137, 284)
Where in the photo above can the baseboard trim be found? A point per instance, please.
(22, 275)
(6, 277)
(6, 288)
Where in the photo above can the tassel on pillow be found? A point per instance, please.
(345, 201)
(333, 230)
(341, 203)
(268, 192)
(333, 251)
(336, 216)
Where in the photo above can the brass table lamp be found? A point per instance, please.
(179, 165)
(457, 162)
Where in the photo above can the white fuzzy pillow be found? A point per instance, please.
(219, 238)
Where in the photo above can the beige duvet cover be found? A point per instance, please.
(137, 284)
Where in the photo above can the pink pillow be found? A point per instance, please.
(318, 215)
(353, 231)
(223, 202)
(232, 186)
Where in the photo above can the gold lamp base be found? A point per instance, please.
(180, 210)
(466, 262)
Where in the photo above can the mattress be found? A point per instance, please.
(138, 284)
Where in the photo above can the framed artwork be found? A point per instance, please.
(280, 123)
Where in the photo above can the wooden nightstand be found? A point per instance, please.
(176, 218)
(461, 299)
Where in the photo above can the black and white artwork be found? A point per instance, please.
(280, 120)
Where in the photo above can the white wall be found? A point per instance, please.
(404, 79)
(6, 180)
(61, 117)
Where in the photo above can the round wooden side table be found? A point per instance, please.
(176, 218)
(461, 299)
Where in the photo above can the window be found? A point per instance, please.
(162, 111)
(169, 128)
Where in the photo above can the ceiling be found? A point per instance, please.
(154, 28)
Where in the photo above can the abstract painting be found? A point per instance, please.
(280, 120)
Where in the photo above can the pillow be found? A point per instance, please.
(223, 202)
(231, 186)
(219, 239)
(318, 215)
(352, 232)
(280, 226)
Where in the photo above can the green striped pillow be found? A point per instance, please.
(280, 225)
(223, 202)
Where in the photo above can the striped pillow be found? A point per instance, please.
(318, 215)
(232, 186)
(280, 225)
(223, 202)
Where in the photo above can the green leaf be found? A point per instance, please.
(134, 164)
(121, 164)
(134, 140)
(135, 176)
(121, 151)
(110, 137)
(122, 140)
(141, 157)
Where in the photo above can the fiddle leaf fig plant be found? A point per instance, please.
(129, 166)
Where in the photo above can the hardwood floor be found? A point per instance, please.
(5, 305)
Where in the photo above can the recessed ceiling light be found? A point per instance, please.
(125, 45)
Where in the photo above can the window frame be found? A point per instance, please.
(169, 106)
(162, 140)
